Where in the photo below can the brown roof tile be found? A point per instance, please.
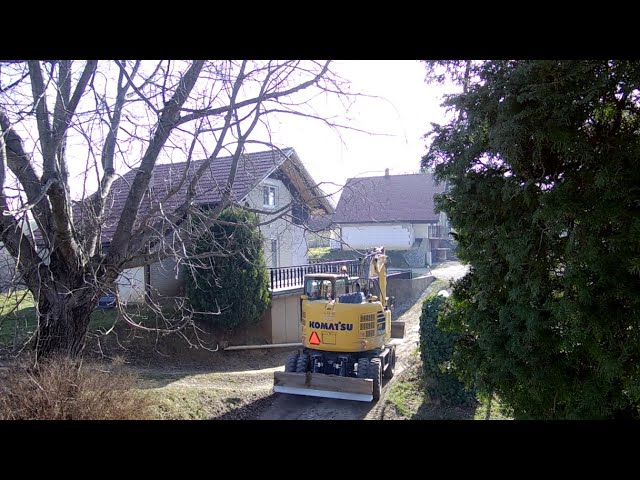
(318, 223)
(393, 198)
(252, 169)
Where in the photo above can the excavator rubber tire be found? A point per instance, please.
(376, 375)
(363, 368)
(388, 373)
(302, 366)
(292, 361)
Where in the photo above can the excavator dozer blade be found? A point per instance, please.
(322, 385)
(397, 329)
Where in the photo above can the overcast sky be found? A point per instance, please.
(405, 115)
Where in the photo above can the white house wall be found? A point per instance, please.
(291, 242)
(335, 243)
(7, 270)
(131, 286)
(421, 230)
(165, 279)
(391, 236)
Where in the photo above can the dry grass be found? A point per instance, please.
(60, 389)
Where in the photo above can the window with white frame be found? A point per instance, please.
(269, 195)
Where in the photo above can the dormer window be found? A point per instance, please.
(270, 194)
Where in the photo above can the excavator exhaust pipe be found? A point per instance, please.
(326, 386)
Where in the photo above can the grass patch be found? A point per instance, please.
(317, 253)
(185, 403)
(405, 398)
(409, 399)
(437, 285)
(102, 319)
(10, 302)
(498, 410)
(190, 403)
(18, 318)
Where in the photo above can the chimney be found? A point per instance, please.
(386, 172)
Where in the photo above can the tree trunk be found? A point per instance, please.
(63, 321)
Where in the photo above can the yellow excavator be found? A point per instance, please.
(348, 336)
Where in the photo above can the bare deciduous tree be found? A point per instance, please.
(68, 130)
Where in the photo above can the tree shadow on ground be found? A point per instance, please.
(228, 368)
(249, 411)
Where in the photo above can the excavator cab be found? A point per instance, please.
(324, 287)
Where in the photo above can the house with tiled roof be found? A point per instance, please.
(396, 211)
(265, 181)
(322, 232)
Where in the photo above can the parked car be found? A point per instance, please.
(107, 301)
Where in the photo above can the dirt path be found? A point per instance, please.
(295, 407)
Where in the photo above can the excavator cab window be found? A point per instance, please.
(374, 288)
(317, 289)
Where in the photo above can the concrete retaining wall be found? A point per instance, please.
(285, 317)
(407, 290)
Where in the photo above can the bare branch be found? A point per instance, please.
(107, 157)
(66, 107)
(10, 86)
(10, 232)
(325, 121)
(168, 119)
(61, 218)
(19, 163)
(29, 206)
(143, 97)
(138, 115)
(270, 96)
(42, 118)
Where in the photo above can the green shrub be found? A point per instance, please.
(541, 168)
(436, 352)
(235, 280)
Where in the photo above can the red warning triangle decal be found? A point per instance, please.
(314, 339)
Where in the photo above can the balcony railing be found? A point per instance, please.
(438, 231)
(291, 277)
